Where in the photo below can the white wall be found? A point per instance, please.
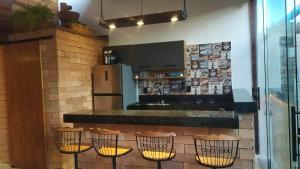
(208, 21)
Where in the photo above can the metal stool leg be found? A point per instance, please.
(114, 163)
(158, 164)
(76, 160)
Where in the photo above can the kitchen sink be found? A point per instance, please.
(157, 104)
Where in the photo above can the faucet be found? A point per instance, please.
(160, 93)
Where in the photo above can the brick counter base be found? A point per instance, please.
(185, 151)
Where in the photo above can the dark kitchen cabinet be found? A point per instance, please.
(151, 56)
(143, 57)
(124, 53)
(158, 56)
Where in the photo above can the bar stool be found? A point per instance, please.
(156, 146)
(68, 141)
(105, 143)
(216, 151)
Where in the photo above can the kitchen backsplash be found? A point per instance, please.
(208, 71)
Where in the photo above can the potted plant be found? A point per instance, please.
(32, 18)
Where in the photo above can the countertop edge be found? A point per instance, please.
(244, 103)
(207, 122)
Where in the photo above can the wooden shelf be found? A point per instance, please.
(150, 78)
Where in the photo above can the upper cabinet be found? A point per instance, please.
(152, 56)
(123, 53)
(158, 56)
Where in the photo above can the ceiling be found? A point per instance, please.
(90, 9)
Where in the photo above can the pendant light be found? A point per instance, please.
(102, 22)
(140, 22)
(163, 17)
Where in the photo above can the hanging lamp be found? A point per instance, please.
(102, 22)
(155, 18)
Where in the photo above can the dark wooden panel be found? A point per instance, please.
(5, 3)
(5, 8)
(5, 12)
(148, 19)
(25, 105)
(4, 20)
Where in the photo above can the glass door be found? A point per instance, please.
(277, 81)
(294, 18)
(277, 86)
(261, 82)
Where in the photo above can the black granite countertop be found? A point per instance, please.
(239, 101)
(243, 101)
(211, 119)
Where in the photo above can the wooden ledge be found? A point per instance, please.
(47, 33)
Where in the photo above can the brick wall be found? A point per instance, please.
(67, 64)
(76, 57)
(4, 152)
(185, 153)
(67, 61)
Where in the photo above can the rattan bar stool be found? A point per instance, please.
(156, 146)
(68, 141)
(216, 151)
(105, 143)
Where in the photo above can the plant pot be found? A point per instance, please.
(68, 17)
(30, 28)
(80, 28)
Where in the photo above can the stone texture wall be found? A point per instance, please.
(76, 57)
(185, 153)
(67, 64)
(4, 151)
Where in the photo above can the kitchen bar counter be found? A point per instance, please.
(240, 101)
(185, 123)
(190, 118)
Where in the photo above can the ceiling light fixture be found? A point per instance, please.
(140, 23)
(174, 19)
(102, 22)
(112, 26)
(163, 17)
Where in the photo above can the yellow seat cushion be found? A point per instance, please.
(216, 162)
(156, 155)
(111, 151)
(74, 148)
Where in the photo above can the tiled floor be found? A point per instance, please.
(257, 166)
(5, 166)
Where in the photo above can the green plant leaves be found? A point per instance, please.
(32, 18)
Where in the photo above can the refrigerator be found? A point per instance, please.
(113, 87)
